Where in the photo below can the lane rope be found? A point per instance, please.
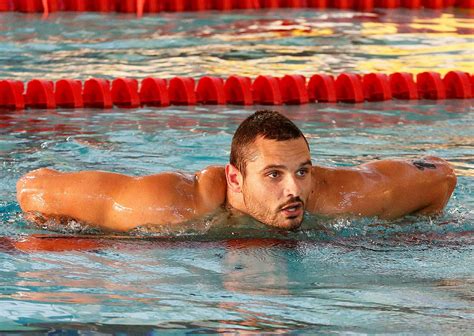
(155, 6)
(235, 90)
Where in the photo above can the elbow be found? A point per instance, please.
(446, 181)
(28, 195)
(441, 191)
(451, 180)
(30, 190)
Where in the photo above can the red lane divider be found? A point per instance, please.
(11, 94)
(211, 91)
(458, 85)
(125, 92)
(376, 87)
(430, 85)
(322, 88)
(266, 91)
(238, 90)
(154, 92)
(403, 86)
(349, 88)
(97, 93)
(69, 93)
(154, 6)
(293, 89)
(182, 92)
(40, 94)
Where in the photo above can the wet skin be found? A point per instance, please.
(279, 184)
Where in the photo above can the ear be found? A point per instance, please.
(234, 178)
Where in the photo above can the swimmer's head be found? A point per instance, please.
(270, 169)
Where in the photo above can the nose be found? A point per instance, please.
(292, 187)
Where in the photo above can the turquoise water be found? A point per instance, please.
(413, 275)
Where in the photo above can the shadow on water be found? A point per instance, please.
(201, 327)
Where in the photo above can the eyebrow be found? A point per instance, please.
(283, 167)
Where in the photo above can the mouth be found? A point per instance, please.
(293, 210)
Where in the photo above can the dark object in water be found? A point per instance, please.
(422, 164)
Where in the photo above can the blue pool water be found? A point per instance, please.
(413, 275)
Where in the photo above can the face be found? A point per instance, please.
(277, 183)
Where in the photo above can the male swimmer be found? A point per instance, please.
(270, 177)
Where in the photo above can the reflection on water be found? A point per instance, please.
(263, 42)
(243, 284)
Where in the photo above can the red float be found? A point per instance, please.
(412, 4)
(269, 3)
(101, 5)
(469, 4)
(364, 5)
(266, 91)
(322, 88)
(11, 94)
(181, 91)
(458, 85)
(75, 5)
(125, 92)
(342, 4)
(238, 90)
(376, 87)
(5, 6)
(293, 3)
(151, 6)
(317, 4)
(403, 86)
(97, 93)
(245, 4)
(29, 6)
(293, 89)
(174, 5)
(433, 4)
(40, 94)
(387, 3)
(68, 93)
(430, 86)
(210, 90)
(126, 6)
(223, 5)
(349, 88)
(197, 5)
(153, 92)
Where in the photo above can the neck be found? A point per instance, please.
(236, 201)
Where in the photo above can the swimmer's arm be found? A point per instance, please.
(422, 186)
(83, 196)
(117, 202)
(387, 188)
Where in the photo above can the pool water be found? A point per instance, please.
(412, 275)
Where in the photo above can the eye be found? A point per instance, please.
(302, 172)
(273, 174)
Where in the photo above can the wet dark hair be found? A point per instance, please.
(267, 124)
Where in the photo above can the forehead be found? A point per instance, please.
(272, 152)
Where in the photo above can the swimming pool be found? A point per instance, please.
(414, 275)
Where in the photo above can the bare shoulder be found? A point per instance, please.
(186, 196)
(212, 187)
